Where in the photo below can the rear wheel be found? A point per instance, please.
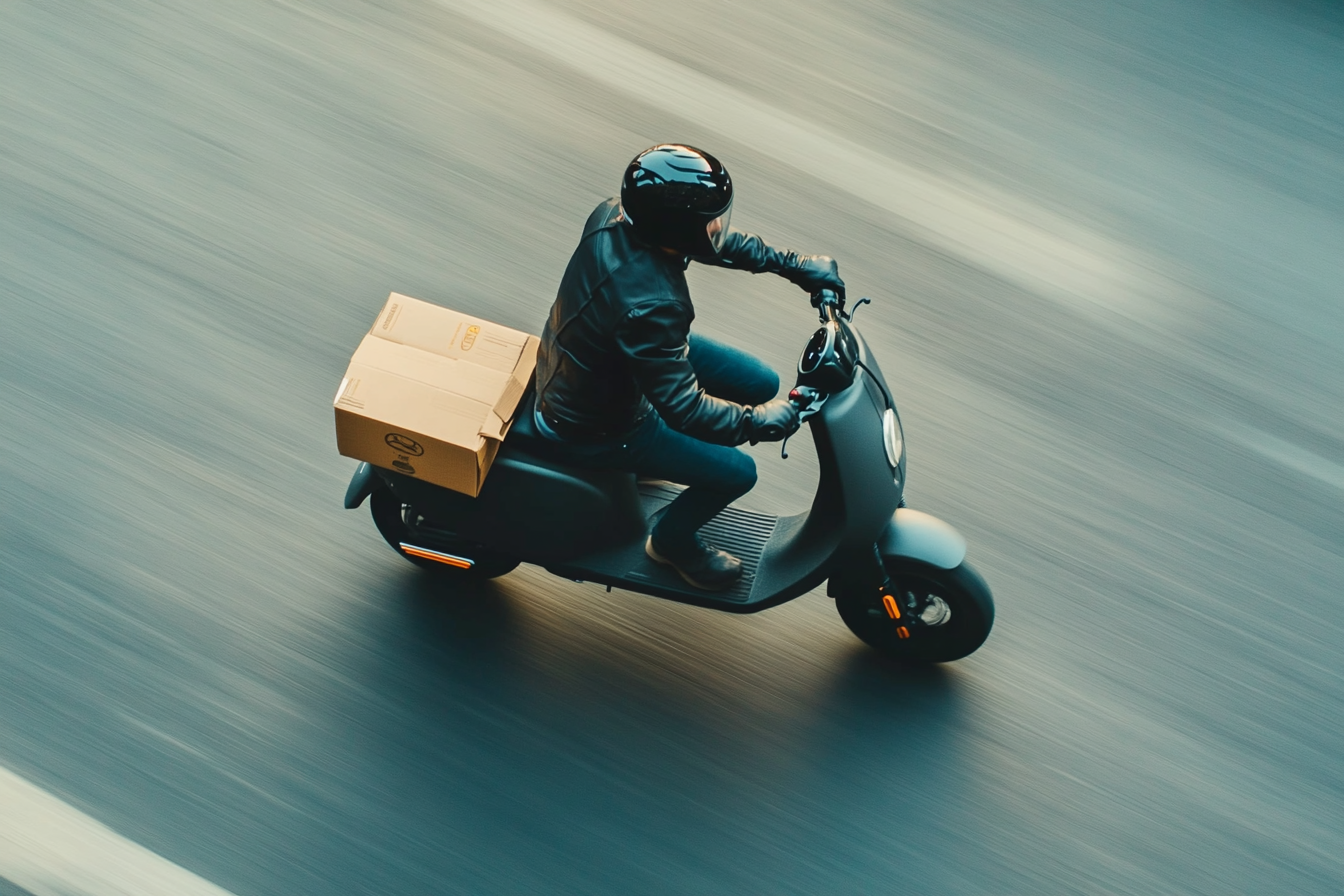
(427, 546)
(928, 615)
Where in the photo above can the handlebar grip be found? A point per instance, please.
(829, 305)
(802, 397)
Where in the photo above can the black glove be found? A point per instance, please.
(748, 252)
(813, 273)
(772, 421)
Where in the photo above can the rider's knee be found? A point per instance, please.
(764, 386)
(741, 474)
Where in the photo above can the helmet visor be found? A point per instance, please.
(717, 230)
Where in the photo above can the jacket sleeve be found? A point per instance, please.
(653, 337)
(748, 252)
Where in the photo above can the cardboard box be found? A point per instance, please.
(432, 392)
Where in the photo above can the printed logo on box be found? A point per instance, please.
(405, 444)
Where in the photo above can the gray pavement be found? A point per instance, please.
(1105, 242)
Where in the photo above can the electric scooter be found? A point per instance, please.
(899, 577)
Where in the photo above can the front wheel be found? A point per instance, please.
(403, 527)
(927, 615)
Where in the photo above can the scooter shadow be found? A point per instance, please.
(876, 700)
(495, 713)
(872, 681)
(477, 630)
(471, 620)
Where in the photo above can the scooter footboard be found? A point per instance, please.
(920, 536)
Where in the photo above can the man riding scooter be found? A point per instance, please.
(623, 384)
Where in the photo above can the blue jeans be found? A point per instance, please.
(714, 475)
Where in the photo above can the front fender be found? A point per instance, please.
(920, 536)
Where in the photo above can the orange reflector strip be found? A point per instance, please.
(448, 559)
(902, 633)
(890, 603)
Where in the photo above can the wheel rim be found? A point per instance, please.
(936, 611)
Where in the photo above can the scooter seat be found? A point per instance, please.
(524, 444)
(524, 427)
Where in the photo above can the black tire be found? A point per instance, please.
(390, 515)
(966, 605)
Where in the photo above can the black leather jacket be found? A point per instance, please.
(615, 342)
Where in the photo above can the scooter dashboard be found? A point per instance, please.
(829, 359)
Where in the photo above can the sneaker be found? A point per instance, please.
(702, 566)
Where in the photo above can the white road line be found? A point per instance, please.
(1287, 454)
(1004, 234)
(50, 848)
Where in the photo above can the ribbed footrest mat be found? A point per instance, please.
(742, 533)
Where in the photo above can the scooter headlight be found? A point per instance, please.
(892, 438)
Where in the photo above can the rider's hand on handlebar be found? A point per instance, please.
(816, 272)
(827, 297)
(773, 421)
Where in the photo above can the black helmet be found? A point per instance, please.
(672, 196)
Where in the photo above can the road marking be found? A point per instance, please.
(1291, 456)
(50, 848)
(1004, 234)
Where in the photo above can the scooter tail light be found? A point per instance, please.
(437, 556)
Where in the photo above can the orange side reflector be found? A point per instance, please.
(890, 603)
(426, 554)
(902, 633)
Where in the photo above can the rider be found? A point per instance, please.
(623, 384)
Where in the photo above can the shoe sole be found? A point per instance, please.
(660, 559)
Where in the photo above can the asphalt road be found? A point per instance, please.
(1105, 243)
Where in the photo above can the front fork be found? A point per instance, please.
(908, 611)
(911, 535)
(891, 600)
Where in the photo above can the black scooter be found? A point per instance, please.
(898, 576)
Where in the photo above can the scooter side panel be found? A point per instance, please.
(855, 499)
(856, 478)
(795, 560)
(532, 510)
(915, 535)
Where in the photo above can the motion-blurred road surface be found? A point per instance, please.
(1105, 244)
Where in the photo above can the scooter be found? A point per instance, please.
(899, 577)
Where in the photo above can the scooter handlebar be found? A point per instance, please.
(802, 397)
(828, 303)
(808, 401)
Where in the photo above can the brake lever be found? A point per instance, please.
(814, 402)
